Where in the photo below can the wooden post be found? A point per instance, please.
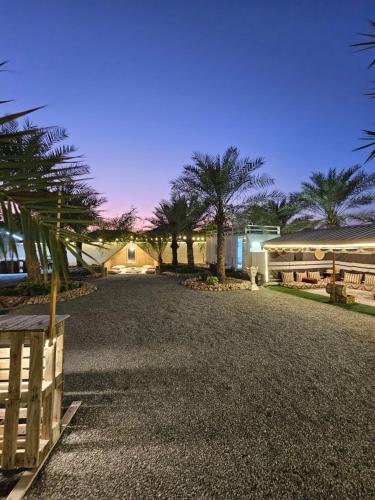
(333, 276)
(34, 402)
(55, 278)
(12, 405)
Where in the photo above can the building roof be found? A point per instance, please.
(362, 236)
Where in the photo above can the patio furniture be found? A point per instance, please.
(339, 293)
(313, 281)
(31, 388)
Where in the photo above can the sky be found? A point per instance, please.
(140, 85)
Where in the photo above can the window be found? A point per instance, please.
(131, 254)
(239, 253)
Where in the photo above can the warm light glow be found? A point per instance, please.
(305, 248)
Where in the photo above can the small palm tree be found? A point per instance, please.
(80, 194)
(168, 216)
(337, 197)
(154, 244)
(218, 182)
(192, 213)
(275, 209)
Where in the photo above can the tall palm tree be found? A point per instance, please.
(368, 45)
(220, 181)
(337, 197)
(275, 209)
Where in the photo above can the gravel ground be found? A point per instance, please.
(190, 394)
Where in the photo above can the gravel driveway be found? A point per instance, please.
(190, 394)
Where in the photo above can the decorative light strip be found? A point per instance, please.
(320, 247)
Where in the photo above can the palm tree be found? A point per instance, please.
(275, 209)
(26, 179)
(192, 213)
(154, 244)
(218, 181)
(170, 216)
(82, 195)
(337, 197)
(367, 45)
(120, 228)
(36, 166)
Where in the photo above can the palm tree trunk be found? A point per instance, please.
(33, 270)
(174, 246)
(32, 263)
(220, 261)
(160, 262)
(79, 252)
(190, 250)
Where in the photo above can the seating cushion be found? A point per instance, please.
(287, 277)
(315, 275)
(353, 278)
(300, 276)
(369, 279)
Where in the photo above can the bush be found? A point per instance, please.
(28, 289)
(212, 280)
(5, 292)
(31, 289)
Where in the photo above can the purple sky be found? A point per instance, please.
(140, 85)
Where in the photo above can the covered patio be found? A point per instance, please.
(311, 260)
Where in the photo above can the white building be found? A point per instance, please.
(243, 247)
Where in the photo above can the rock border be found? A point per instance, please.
(231, 284)
(7, 301)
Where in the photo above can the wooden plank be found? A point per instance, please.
(4, 363)
(27, 478)
(30, 322)
(5, 375)
(5, 351)
(48, 402)
(46, 388)
(20, 430)
(22, 413)
(13, 403)
(34, 405)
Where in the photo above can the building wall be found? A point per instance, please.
(199, 250)
(112, 254)
(142, 258)
(121, 258)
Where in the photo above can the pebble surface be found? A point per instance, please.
(212, 396)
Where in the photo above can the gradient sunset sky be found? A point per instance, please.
(140, 85)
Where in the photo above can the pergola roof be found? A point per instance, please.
(344, 238)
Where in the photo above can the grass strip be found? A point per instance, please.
(361, 308)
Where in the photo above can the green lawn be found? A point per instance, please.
(361, 308)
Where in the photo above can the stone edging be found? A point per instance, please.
(12, 301)
(181, 275)
(230, 285)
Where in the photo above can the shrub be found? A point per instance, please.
(31, 289)
(212, 280)
(26, 288)
(8, 291)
